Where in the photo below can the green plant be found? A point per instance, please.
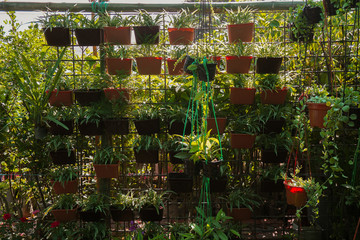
(177, 228)
(238, 49)
(60, 231)
(96, 203)
(116, 20)
(64, 175)
(147, 143)
(275, 141)
(119, 52)
(58, 142)
(265, 48)
(146, 112)
(177, 52)
(268, 82)
(239, 16)
(152, 198)
(274, 112)
(241, 80)
(149, 50)
(240, 197)
(145, 19)
(149, 230)
(245, 124)
(63, 201)
(124, 201)
(81, 21)
(93, 230)
(107, 155)
(174, 113)
(51, 19)
(273, 172)
(184, 19)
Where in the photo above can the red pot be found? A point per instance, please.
(68, 187)
(317, 112)
(241, 32)
(117, 35)
(149, 65)
(242, 140)
(274, 96)
(118, 66)
(61, 98)
(242, 95)
(107, 170)
(64, 215)
(181, 36)
(235, 64)
(239, 214)
(175, 70)
(114, 94)
(295, 196)
(211, 124)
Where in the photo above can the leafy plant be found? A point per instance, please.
(245, 124)
(122, 52)
(116, 20)
(241, 80)
(150, 197)
(265, 49)
(299, 27)
(147, 143)
(275, 141)
(51, 20)
(64, 175)
(240, 197)
(96, 203)
(124, 201)
(149, 50)
(239, 16)
(268, 82)
(184, 19)
(107, 155)
(81, 21)
(239, 49)
(58, 142)
(174, 113)
(146, 112)
(145, 19)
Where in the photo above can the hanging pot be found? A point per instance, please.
(175, 160)
(87, 97)
(177, 127)
(329, 7)
(66, 187)
(269, 156)
(89, 36)
(211, 68)
(235, 64)
(107, 170)
(270, 65)
(64, 215)
(62, 157)
(181, 36)
(57, 36)
(241, 32)
(274, 126)
(268, 185)
(276, 97)
(117, 35)
(188, 61)
(239, 214)
(147, 127)
(147, 34)
(119, 66)
(242, 140)
(61, 98)
(114, 126)
(118, 215)
(91, 128)
(295, 196)
(149, 65)
(147, 156)
(218, 185)
(312, 14)
(242, 95)
(180, 182)
(211, 169)
(92, 216)
(317, 112)
(175, 69)
(56, 129)
(211, 125)
(149, 213)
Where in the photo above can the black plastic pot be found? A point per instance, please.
(274, 126)
(188, 61)
(330, 8)
(211, 67)
(269, 65)
(312, 14)
(56, 129)
(62, 157)
(147, 34)
(117, 126)
(89, 36)
(177, 127)
(118, 215)
(87, 97)
(269, 156)
(144, 156)
(150, 214)
(91, 128)
(91, 216)
(147, 127)
(180, 182)
(57, 36)
(192, 168)
(211, 169)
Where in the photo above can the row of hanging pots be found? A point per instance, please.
(246, 96)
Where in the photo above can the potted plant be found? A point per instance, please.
(238, 58)
(147, 120)
(88, 32)
(268, 57)
(61, 121)
(243, 131)
(173, 146)
(146, 149)
(64, 208)
(94, 208)
(175, 116)
(241, 29)
(301, 26)
(318, 107)
(117, 28)
(205, 69)
(272, 90)
(273, 117)
(107, 162)
(275, 147)
(89, 91)
(62, 150)
(182, 32)
(90, 120)
(151, 205)
(242, 91)
(56, 28)
(177, 60)
(122, 207)
(271, 178)
(148, 59)
(61, 95)
(118, 61)
(65, 180)
(313, 12)
(147, 29)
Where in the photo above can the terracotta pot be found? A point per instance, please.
(177, 127)
(62, 157)
(57, 36)
(61, 98)
(147, 34)
(56, 129)
(150, 214)
(117, 35)
(242, 140)
(242, 95)
(268, 185)
(268, 65)
(115, 126)
(147, 127)
(295, 196)
(64, 215)
(107, 170)
(239, 214)
(274, 126)
(211, 124)
(91, 216)
(150, 156)
(180, 182)
(114, 94)
(87, 97)
(67, 187)
(149, 65)
(175, 70)
(269, 156)
(118, 215)
(241, 32)
(317, 112)
(274, 96)
(89, 36)
(91, 128)
(201, 72)
(118, 66)
(235, 64)
(312, 14)
(181, 36)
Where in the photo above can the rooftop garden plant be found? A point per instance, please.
(239, 16)
(183, 19)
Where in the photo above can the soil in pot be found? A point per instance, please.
(181, 36)
(56, 129)
(150, 156)
(150, 213)
(244, 96)
(117, 35)
(64, 215)
(147, 127)
(57, 36)
(118, 215)
(211, 69)
(118, 66)
(177, 127)
(147, 34)
(67, 187)
(238, 65)
(220, 122)
(268, 65)
(242, 141)
(62, 157)
(89, 36)
(241, 32)
(317, 112)
(91, 128)
(61, 98)
(107, 170)
(180, 182)
(87, 97)
(274, 96)
(149, 65)
(115, 126)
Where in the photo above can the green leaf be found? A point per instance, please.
(346, 108)
(274, 23)
(353, 116)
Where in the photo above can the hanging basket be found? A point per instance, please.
(67, 187)
(175, 69)
(115, 126)
(149, 65)
(295, 196)
(275, 97)
(147, 34)
(107, 170)
(118, 66)
(244, 96)
(91, 128)
(147, 156)
(149, 213)
(211, 68)
(118, 215)
(61, 98)
(62, 157)
(242, 141)
(239, 214)
(89, 36)
(270, 65)
(180, 182)
(147, 127)
(329, 7)
(56, 129)
(64, 215)
(235, 64)
(211, 125)
(57, 36)
(312, 14)
(117, 35)
(241, 32)
(317, 112)
(181, 36)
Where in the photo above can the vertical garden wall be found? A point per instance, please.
(167, 123)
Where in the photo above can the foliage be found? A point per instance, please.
(268, 82)
(124, 201)
(108, 155)
(116, 20)
(240, 197)
(183, 19)
(241, 80)
(96, 203)
(82, 21)
(146, 112)
(145, 19)
(245, 124)
(119, 52)
(152, 198)
(63, 175)
(239, 49)
(51, 19)
(239, 16)
(58, 142)
(147, 143)
(266, 49)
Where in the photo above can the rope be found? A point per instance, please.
(99, 7)
(353, 178)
